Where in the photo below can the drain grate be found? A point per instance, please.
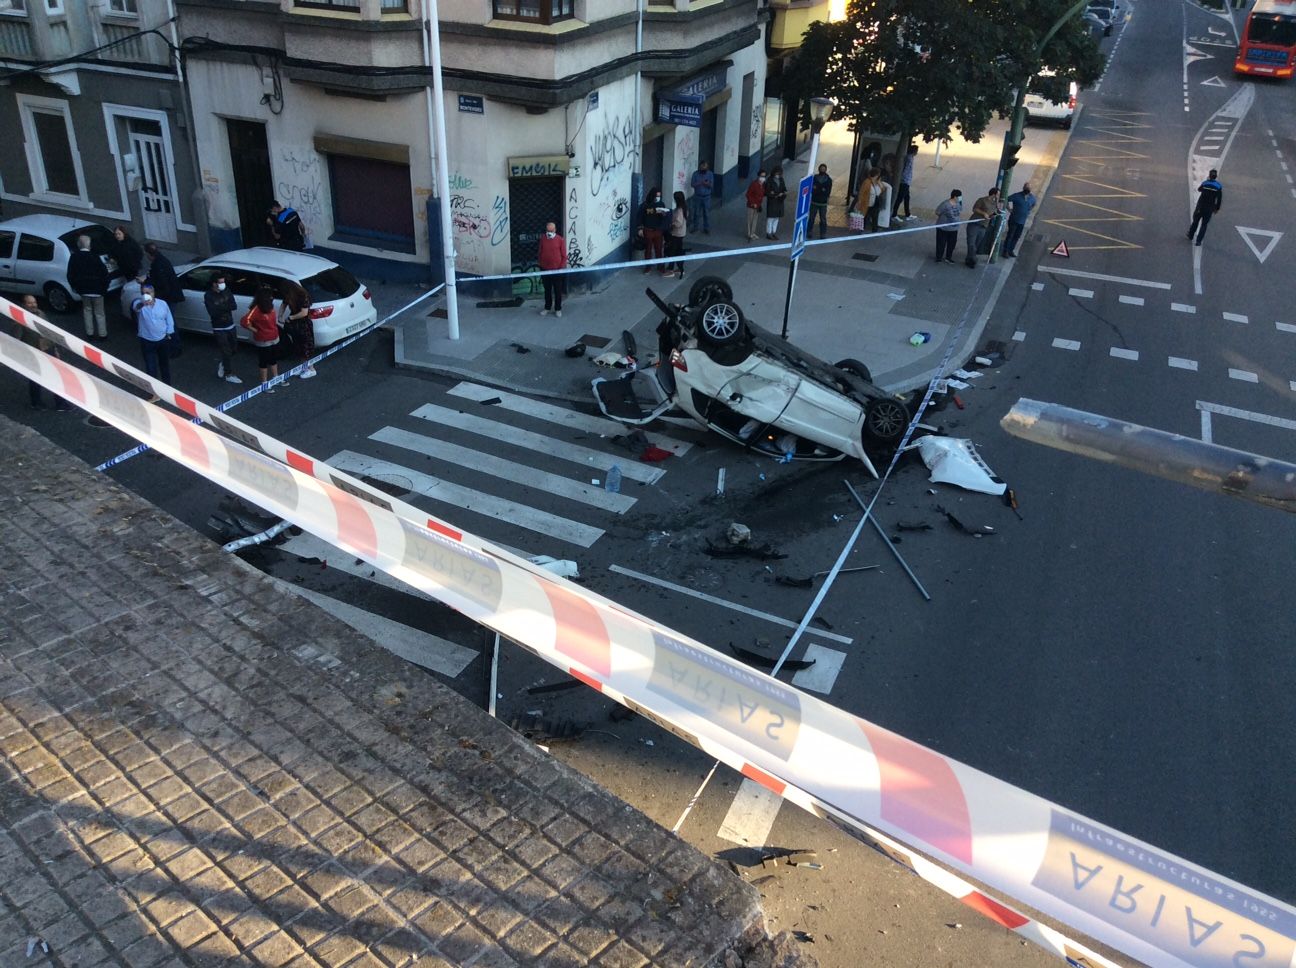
(864, 257)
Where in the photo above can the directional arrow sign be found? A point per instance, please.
(1213, 82)
(1192, 54)
(1269, 240)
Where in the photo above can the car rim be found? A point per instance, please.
(720, 321)
(888, 419)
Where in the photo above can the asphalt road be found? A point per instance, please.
(1119, 649)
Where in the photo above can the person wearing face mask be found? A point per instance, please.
(156, 324)
(553, 255)
(220, 310)
(755, 202)
(655, 219)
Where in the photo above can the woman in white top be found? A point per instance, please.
(675, 238)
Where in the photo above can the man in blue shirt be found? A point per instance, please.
(703, 185)
(156, 324)
(1210, 196)
(1020, 205)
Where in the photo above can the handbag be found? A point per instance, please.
(173, 345)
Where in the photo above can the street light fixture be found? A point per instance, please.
(821, 109)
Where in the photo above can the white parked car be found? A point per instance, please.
(754, 388)
(340, 305)
(34, 253)
(1038, 108)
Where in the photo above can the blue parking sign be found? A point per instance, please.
(801, 227)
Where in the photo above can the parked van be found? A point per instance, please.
(1062, 112)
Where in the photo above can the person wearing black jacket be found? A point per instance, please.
(162, 276)
(820, 193)
(220, 310)
(1210, 196)
(126, 252)
(87, 274)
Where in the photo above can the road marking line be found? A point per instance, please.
(507, 434)
(1286, 327)
(1037, 286)
(1246, 376)
(1262, 418)
(1132, 300)
(559, 415)
(445, 492)
(1081, 293)
(524, 474)
(1066, 344)
(1289, 179)
(1146, 283)
(1183, 307)
(1123, 354)
(1205, 425)
(306, 545)
(821, 676)
(1021, 334)
(1179, 363)
(411, 644)
(1237, 317)
(751, 815)
(703, 596)
(1292, 384)
(1282, 165)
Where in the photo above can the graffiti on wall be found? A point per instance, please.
(299, 184)
(757, 122)
(610, 148)
(575, 257)
(614, 214)
(478, 226)
(686, 153)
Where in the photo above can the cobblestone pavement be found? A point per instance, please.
(199, 768)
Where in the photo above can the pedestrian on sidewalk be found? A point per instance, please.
(675, 238)
(906, 179)
(1210, 196)
(1019, 209)
(948, 215)
(36, 392)
(983, 210)
(656, 217)
(703, 184)
(220, 310)
(155, 325)
(775, 193)
(820, 193)
(295, 317)
(869, 198)
(553, 255)
(88, 276)
(162, 276)
(263, 322)
(755, 203)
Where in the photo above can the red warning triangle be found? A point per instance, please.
(1061, 250)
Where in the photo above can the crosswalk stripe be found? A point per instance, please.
(1179, 363)
(595, 460)
(751, 815)
(523, 474)
(1066, 344)
(821, 676)
(1132, 300)
(1121, 353)
(559, 415)
(1286, 327)
(446, 492)
(1246, 376)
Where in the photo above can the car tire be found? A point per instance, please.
(856, 368)
(59, 299)
(885, 420)
(721, 323)
(709, 288)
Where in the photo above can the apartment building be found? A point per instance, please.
(93, 114)
(557, 110)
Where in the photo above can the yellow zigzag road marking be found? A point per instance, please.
(1116, 153)
(1118, 216)
(1119, 243)
(1119, 192)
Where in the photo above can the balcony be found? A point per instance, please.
(16, 38)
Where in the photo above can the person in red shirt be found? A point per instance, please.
(755, 202)
(263, 321)
(553, 255)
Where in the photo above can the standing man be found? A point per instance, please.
(755, 202)
(906, 179)
(36, 392)
(286, 227)
(155, 324)
(703, 185)
(983, 210)
(553, 255)
(948, 215)
(220, 310)
(1020, 205)
(89, 277)
(162, 276)
(820, 192)
(1210, 196)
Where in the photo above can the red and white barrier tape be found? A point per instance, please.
(874, 783)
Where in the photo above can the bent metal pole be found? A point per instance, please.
(1187, 460)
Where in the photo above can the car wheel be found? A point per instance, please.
(707, 289)
(885, 420)
(59, 299)
(856, 368)
(721, 323)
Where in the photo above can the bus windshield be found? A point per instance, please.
(1275, 29)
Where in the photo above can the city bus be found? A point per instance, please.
(1268, 47)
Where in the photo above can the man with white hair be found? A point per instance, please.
(88, 275)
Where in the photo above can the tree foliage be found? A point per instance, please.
(925, 67)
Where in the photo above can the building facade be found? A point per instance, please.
(93, 114)
(557, 110)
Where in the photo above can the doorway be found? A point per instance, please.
(156, 202)
(532, 203)
(253, 187)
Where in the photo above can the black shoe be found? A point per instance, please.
(1198, 242)
(970, 265)
(1189, 235)
(950, 261)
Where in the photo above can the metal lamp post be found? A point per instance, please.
(821, 109)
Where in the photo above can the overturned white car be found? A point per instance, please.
(754, 388)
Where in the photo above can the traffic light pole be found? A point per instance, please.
(1013, 139)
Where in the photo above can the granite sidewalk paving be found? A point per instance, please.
(198, 768)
